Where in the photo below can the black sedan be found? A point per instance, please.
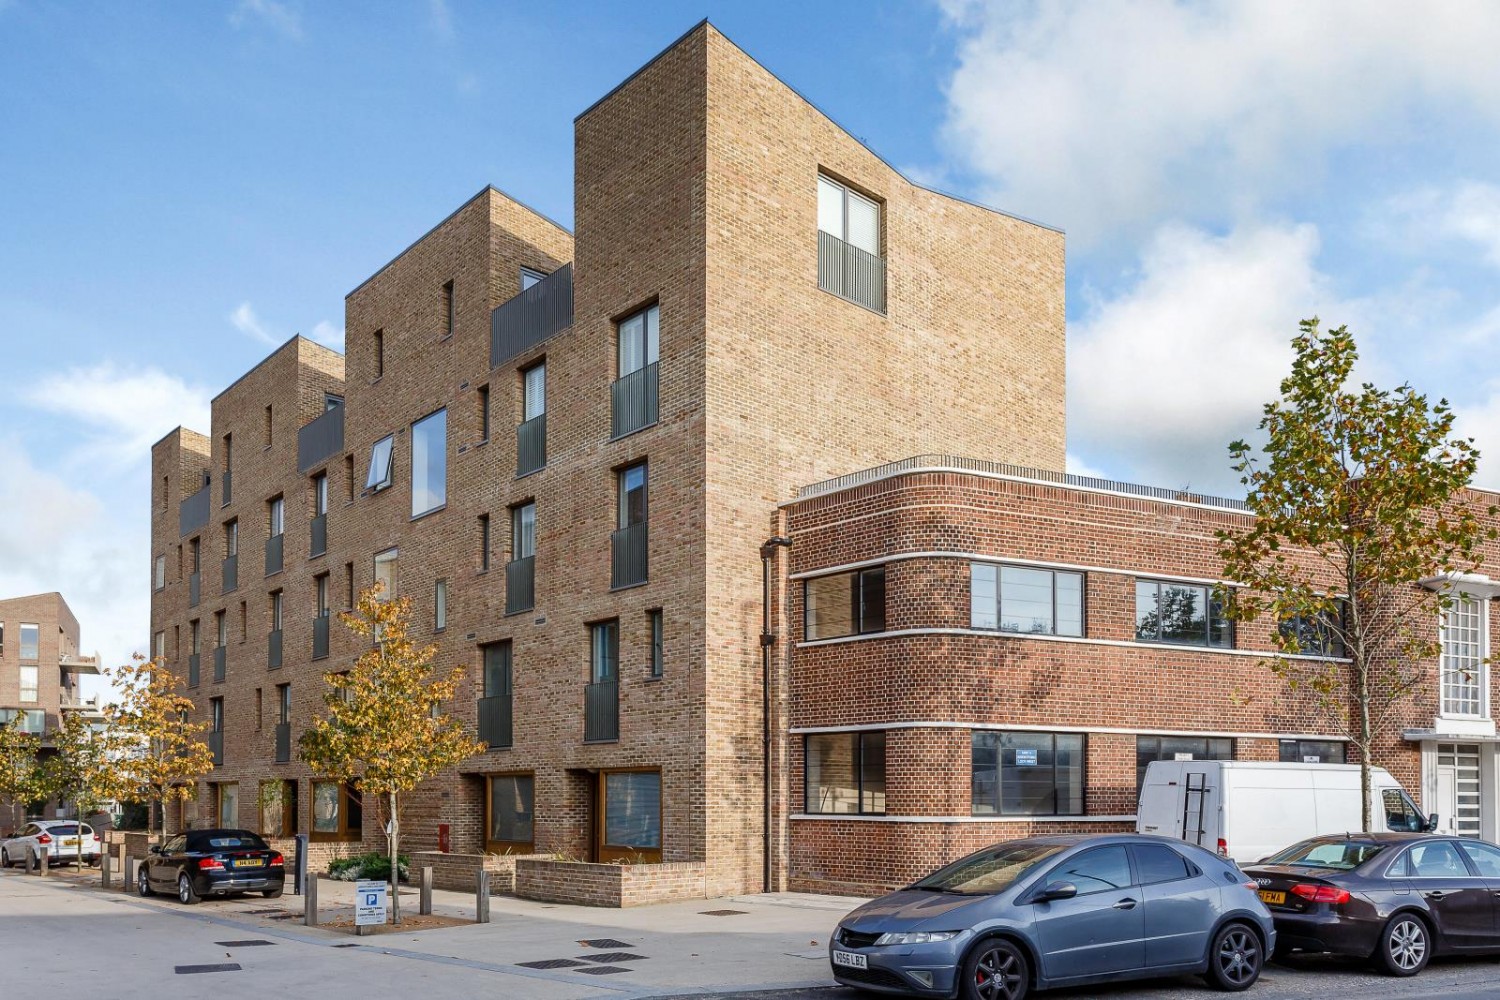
(1394, 898)
(212, 863)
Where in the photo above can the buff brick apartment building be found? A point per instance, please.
(567, 450)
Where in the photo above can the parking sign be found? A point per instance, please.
(370, 899)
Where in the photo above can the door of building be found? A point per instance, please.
(1458, 789)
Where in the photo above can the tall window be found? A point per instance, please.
(377, 348)
(1149, 748)
(633, 495)
(448, 308)
(484, 412)
(221, 629)
(849, 216)
(523, 531)
(429, 463)
(195, 554)
(440, 605)
(216, 715)
(379, 476)
(283, 704)
(534, 391)
(497, 669)
(604, 651)
(511, 805)
(159, 573)
(1025, 601)
(159, 647)
(385, 573)
(653, 617)
(640, 337)
(484, 543)
(320, 494)
(336, 811)
(276, 611)
(29, 675)
(1462, 660)
(276, 517)
(845, 773)
(231, 538)
(195, 642)
(229, 804)
(1028, 774)
(1182, 613)
(31, 642)
(842, 604)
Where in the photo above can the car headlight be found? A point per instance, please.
(916, 937)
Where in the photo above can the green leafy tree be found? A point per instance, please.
(85, 769)
(1362, 486)
(21, 778)
(163, 753)
(386, 730)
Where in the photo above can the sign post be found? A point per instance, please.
(370, 900)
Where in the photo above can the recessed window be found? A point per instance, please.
(534, 391)
(843, 604)
(231, 538)
(1183, 613)
(440, 605)
(276, 606)
(448, 316)
(320, 494)
(640, 337)
(158, 647)
(29, 678)
(511, 814)
(484, 543)
(429, 463)
(1462, 661)
(604, 651)
(523, 531)
(848, 215)
(530, 277)
(275, 516)
(229, 804)
(653, 618)
(379, 476)
(1025, 601)
(845, 773)
(1027, 774)
(497, 669)
(336, 811)
(633, 508)
(632, 816)
(1149, 748)
(385, 573)
(849, 261)
(159, 573)
(484, 412)
(31, 642)
(377, 350)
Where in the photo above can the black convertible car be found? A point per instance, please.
(1395, 898)
(212, 863)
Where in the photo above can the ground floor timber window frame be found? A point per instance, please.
(347, 820)
(643, 851)
(520, 786)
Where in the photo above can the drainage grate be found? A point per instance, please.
(283, 916)
(243, 944)
(606, 943)
(722, 913)
(551, 963)
(261, 913)
(613, 957)
(346, 946)
(188, 970)
(603, 970)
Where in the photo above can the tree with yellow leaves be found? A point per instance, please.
(164, 753)
(85, 770)
(385, 730)
(20, 771)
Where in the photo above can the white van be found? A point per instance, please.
(1248, 810)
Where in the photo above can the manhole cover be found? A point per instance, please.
(551, 963)
(188, 970)
(603, 970)
(243, 944)
(722, 913)
(613, 957)
(606, 943)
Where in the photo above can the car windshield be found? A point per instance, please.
(1339, 855)
(227, 840)
(989, 871)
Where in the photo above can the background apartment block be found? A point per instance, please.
(568, 449)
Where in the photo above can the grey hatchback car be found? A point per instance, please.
(1045, 912)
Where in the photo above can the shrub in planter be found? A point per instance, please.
(368, 866)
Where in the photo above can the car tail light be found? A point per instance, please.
(43, 838)
(277, 859)
(210, 865)
(1321, 893)
(1251, 884)
(96, 838)
(1223, 848)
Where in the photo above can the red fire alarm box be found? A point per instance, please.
(443, 837)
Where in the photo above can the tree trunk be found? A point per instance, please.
(1364, 745)
(395, 867)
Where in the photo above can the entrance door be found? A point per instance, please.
(1458, 788)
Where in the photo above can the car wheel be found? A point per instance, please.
(142, 883)
(4, 858)
(1405, 946)
(185, 893)
(1236, 958)
(995, 970)
(272, 893)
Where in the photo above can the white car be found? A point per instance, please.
(62, 839)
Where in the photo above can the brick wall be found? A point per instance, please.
(610, 885)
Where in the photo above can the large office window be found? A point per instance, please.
(1182, 613)
(1462, 661)
(640, 337)
(842, 604)
(429, 463)
(385, 573)
(1315, 635)
(381, 452)
(845, 773)
(632, 815)
(33, 720)
(511, 811)
(1028, 774)
(1025, 601)
(1149, 748)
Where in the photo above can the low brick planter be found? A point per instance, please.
(584, 884)
(459, 872)
(137, 842)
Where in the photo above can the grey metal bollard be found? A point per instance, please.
(42, 866)
(482, 898)
(424, 905)
(104, 872)
(132, 868)
(310, 900)
(30, 864)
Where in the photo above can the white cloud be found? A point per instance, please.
(1467, 212)
(1105, 114)
(440, 16)
(277, 16)
(245, 321)
(1162, 376)
(328, 335)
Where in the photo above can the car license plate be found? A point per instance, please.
(849, 960)
(1267, 896)
(249, 862)
(71, 843)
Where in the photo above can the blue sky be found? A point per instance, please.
(183, 186)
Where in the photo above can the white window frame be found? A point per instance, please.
(530, 277)
(1448, 669)
(382, 455)
(844, 194)
(644, 340)
(534, 391)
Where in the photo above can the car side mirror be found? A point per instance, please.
(155, 848)
(1432, 822)
(1056, 890)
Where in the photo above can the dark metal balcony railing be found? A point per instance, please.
(495, 721)
(192, 513)
(230, 577)
(628, 565)
(531, 445)
(319, 532)
(193, 662)
(601, 712)
(851, 273)
(520, 585)
(317, 439)
(273, 554)
(320, 637)
(633, 401)
(532, 316)
(216, 746)
(195, 581)
(273, 649)
(227, 493)
(220, 660)
(283, 742)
